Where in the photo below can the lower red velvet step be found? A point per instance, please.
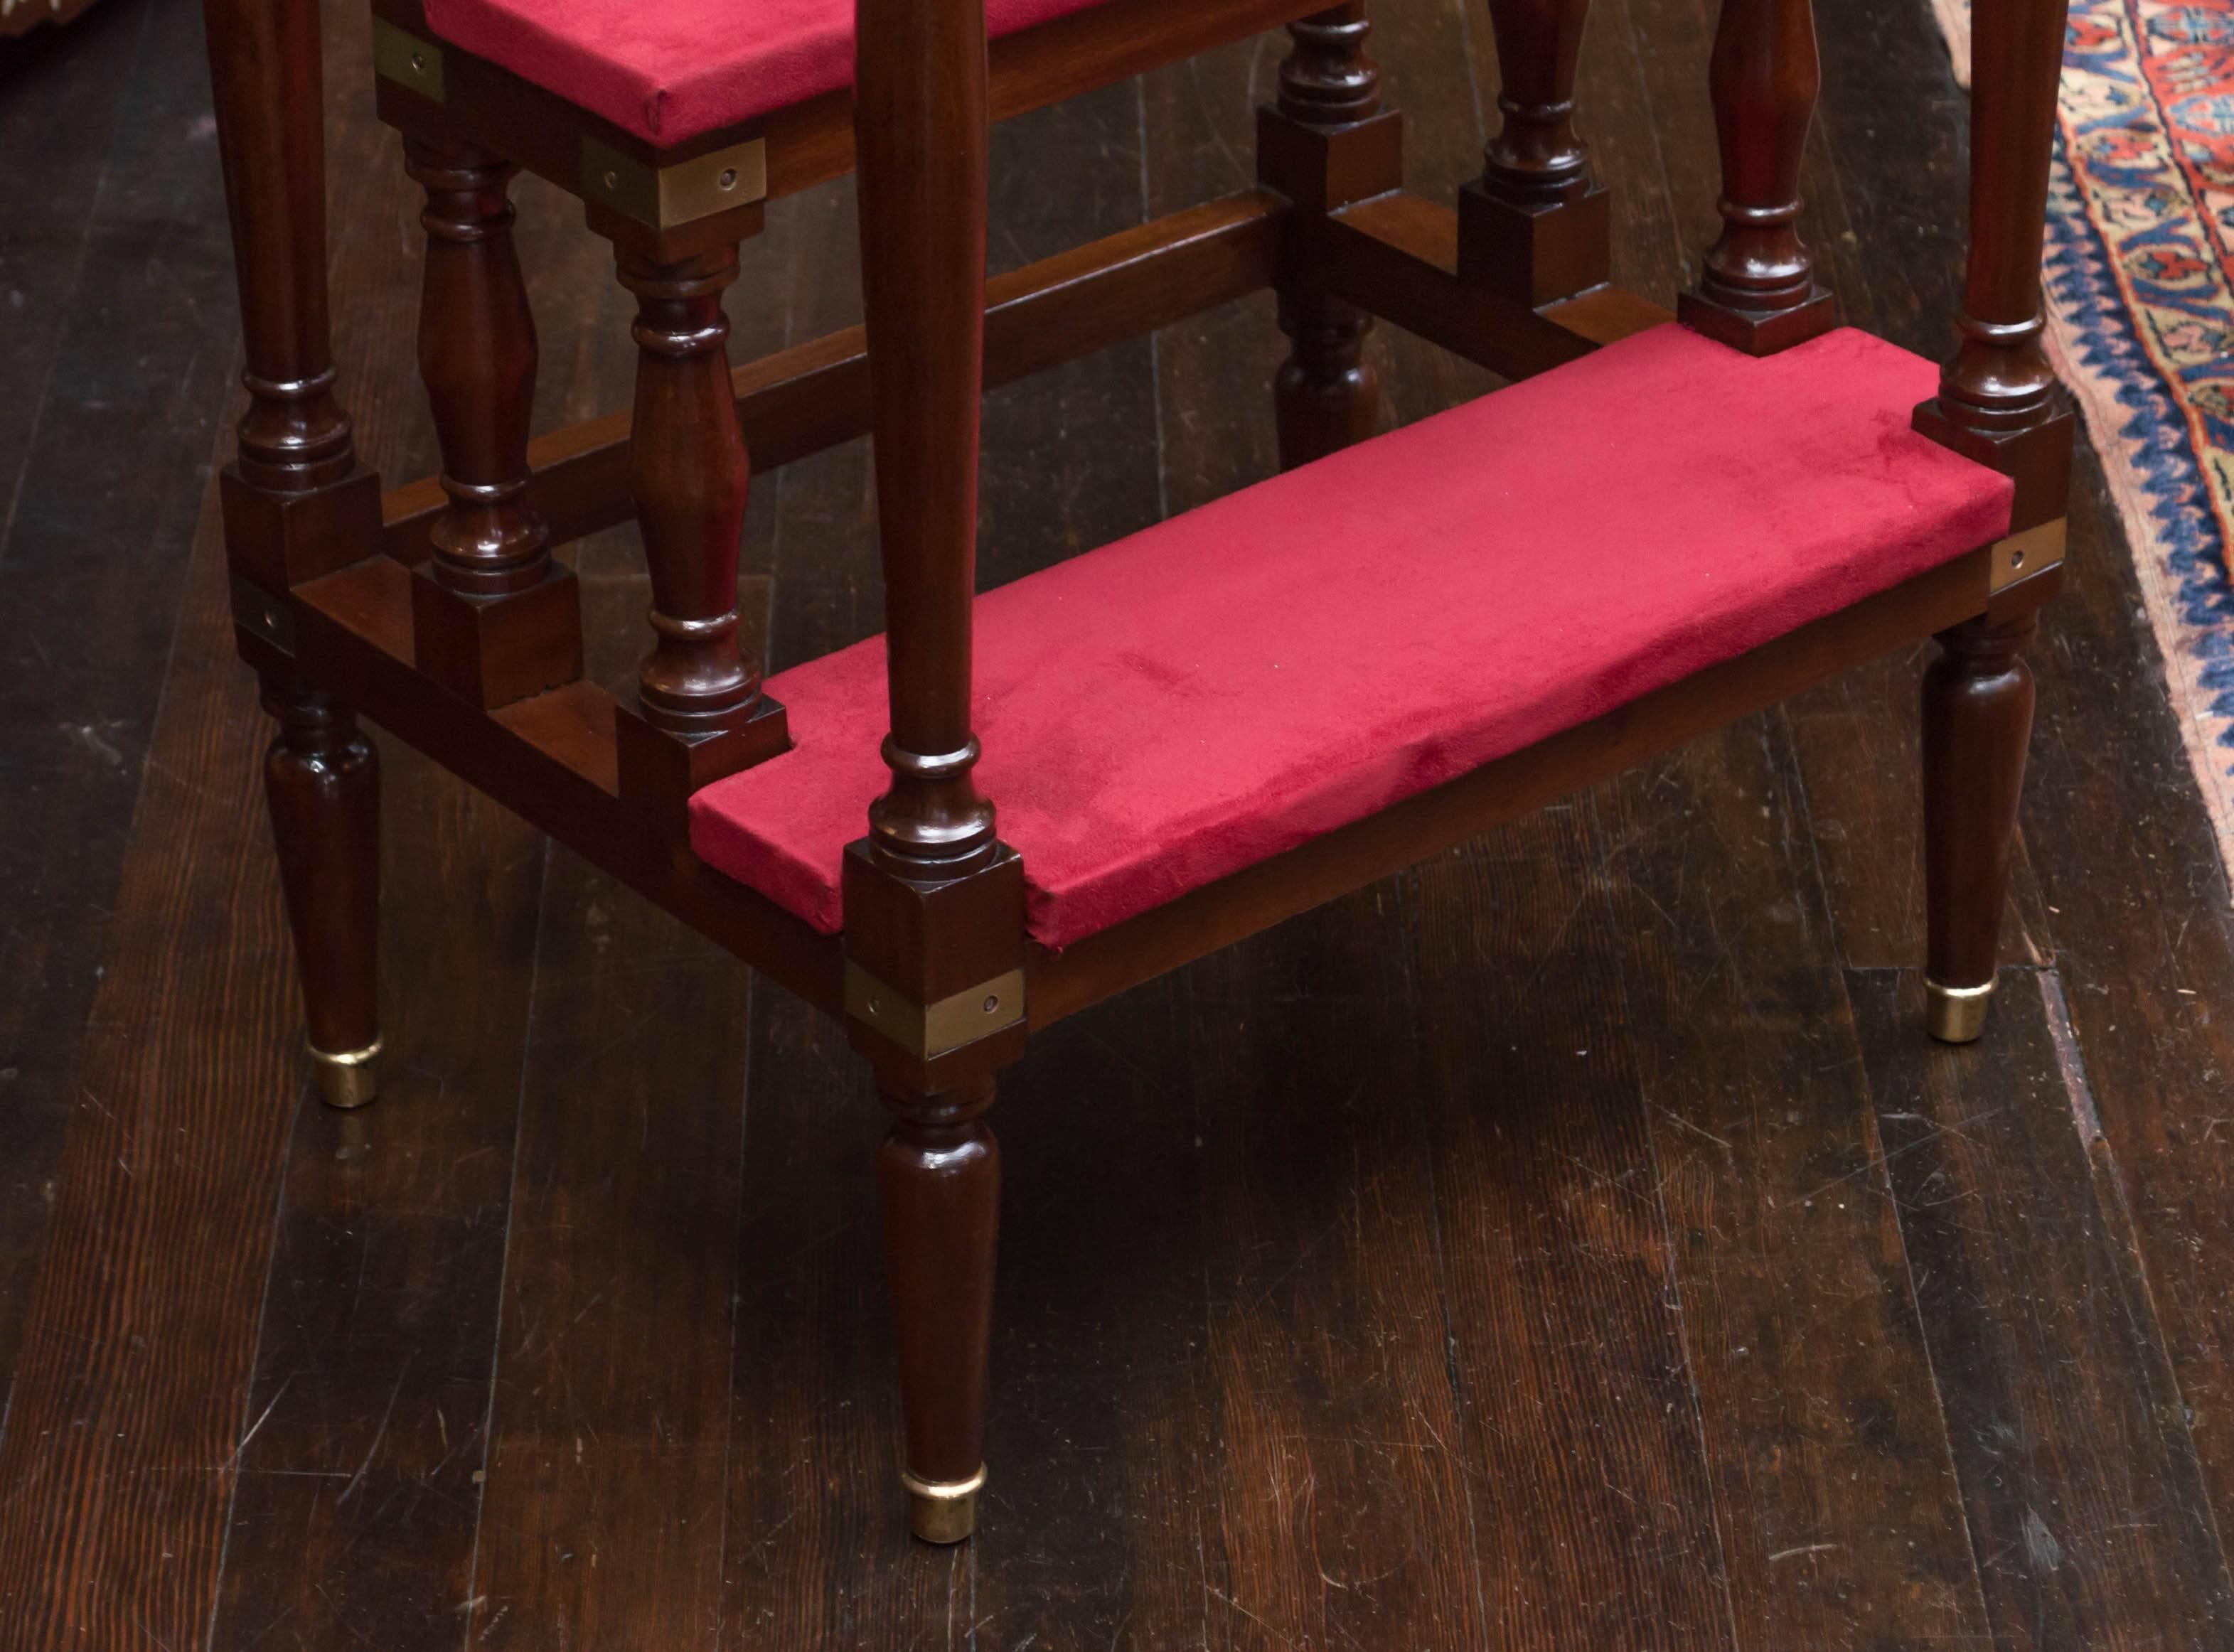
(1168, 709)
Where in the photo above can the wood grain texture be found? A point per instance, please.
(358, 1514)
(2145, 951)
(603, 1508)
(141, 1330)
(2079, 1472)
(1595, 1524)
(1834, 1489)
(1180, 1456)
(114, 340)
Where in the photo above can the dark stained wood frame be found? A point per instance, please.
(333, 585)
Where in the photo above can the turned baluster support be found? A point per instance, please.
(494, 619)
(1534, 227)
(1327, 142)
(933, 900)
(1999, 404)
(698, 712)
(1757, 290)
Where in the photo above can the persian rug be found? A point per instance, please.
(2140, 321)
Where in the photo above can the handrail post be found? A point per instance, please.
(1998, 401)
(934, 903)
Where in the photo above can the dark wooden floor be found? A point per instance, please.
(1570, 1243)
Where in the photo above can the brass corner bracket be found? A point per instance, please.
(930, 1030)
(2022, 555)
(401, 56)
(679, 192)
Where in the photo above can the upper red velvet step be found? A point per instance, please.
(1232, 682)
(670, 69)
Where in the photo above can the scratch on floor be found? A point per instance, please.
(2082, 1094)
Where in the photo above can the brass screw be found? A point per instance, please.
(729, 179)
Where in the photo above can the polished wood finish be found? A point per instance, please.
(919, 93)
(1757, 290)
(939, 1174)
(1326, 395)
(477, 358)
(698, 712)
(1535, 227)
(1276, 1141)
(495, 619)
(795, 402)
(266, 69)
(1977, 723)
(322, 784)
(1514, 281)
(1998, 399)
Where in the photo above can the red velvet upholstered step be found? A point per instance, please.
(670, 69)
(1228, 684)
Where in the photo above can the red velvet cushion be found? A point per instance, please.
(670, 69)
(1223, 686)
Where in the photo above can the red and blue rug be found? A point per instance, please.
(2140, 314)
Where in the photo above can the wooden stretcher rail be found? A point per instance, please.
(1396, 256)
(1196, 924)
(549, 759)
(816, 395)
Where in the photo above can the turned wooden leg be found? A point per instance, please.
(322, 779)
(1327, 140)
(1978, 720)
(940, 1171)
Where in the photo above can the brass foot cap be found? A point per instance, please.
(943, 1510)
(1955, 1015)
(348, 1078)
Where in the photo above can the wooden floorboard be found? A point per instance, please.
(1834, 1487)
(115, 340)
(1569, 1243)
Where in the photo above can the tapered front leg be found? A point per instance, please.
(940, 1172)
(1977, 721)
(322, 779)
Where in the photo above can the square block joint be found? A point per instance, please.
(1537, 252)
(493, 650)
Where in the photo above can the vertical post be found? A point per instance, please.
(933, 900)
(1998, 401)
(699, 713)
(298, 504)
(1534, 227)
(1327, 142)
(920, 112)
(1757, 291)
(1999, 404)
(494, 619)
